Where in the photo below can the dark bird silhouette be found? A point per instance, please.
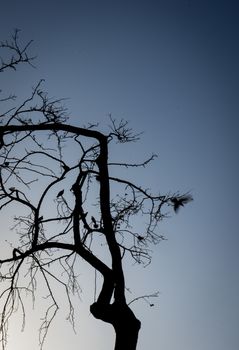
(12, 189)
(60, 194)
(180, 201)
(94, 222)
(140, 238)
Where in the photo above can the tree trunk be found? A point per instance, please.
(122, 318)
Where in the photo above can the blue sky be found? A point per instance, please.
(171, 69)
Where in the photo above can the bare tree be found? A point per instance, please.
(56, 178)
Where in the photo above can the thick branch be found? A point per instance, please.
(107, 221)
(6, 129)
(83, 252)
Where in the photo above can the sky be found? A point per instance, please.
(171, 69)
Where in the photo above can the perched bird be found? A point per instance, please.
(12, 189)
(94, 222)
(140, 238)
(60, 194)
(180, 201)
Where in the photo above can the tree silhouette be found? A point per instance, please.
(55, 178)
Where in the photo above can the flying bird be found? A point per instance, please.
(60, 194)
(180, 201)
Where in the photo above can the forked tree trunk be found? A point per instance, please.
(122, 318)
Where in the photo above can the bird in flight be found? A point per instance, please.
(180, 201)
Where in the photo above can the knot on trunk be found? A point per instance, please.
(118, 314)
(102, 311)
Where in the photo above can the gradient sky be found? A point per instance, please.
(169, 67)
